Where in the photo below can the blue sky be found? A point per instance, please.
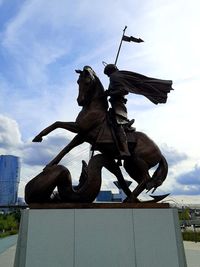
(42, 42)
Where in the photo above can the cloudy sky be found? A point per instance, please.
(42, 42)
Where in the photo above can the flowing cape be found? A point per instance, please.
(155, 90)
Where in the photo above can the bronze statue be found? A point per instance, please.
(118, 111)
(123, 82)
(95, 125)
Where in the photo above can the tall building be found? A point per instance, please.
(9, 179)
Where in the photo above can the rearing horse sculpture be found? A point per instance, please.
(92, 126)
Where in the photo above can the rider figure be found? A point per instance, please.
(119, 110)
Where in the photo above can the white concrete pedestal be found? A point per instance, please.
(100, 238)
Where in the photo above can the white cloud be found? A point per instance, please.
(175, 122)
(10, 137)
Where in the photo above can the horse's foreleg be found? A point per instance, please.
(113, 167)
(70, 126)
(76, 141)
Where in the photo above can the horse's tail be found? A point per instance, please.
(160, 173)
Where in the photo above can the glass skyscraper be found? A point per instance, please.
(9, 179)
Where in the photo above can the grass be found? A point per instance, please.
(8, 233)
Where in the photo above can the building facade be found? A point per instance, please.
(109, 196)
(9, 179)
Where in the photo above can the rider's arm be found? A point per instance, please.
(115, 91)
(116, 88)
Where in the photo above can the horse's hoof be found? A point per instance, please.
(131, 200)
(37, 139)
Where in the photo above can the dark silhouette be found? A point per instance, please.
(122, 83)
(94, 125)
(118, 112)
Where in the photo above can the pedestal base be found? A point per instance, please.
(94, 237)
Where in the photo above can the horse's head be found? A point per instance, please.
(88, 88)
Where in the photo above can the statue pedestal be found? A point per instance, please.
(109, 235)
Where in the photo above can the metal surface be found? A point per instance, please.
(92, 125)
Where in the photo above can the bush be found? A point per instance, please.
(191, 236)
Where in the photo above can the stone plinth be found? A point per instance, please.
(94, 235)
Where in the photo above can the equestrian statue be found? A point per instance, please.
(104, 124)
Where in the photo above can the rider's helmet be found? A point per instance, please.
(110, 68)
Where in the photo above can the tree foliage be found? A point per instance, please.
(9, 222)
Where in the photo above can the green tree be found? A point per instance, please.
(184, 214)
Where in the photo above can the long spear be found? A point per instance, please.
(126, 39)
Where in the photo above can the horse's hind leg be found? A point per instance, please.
(138, 170)
(70, 126)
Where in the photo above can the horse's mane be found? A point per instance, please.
(99, 84)
(100, 92)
